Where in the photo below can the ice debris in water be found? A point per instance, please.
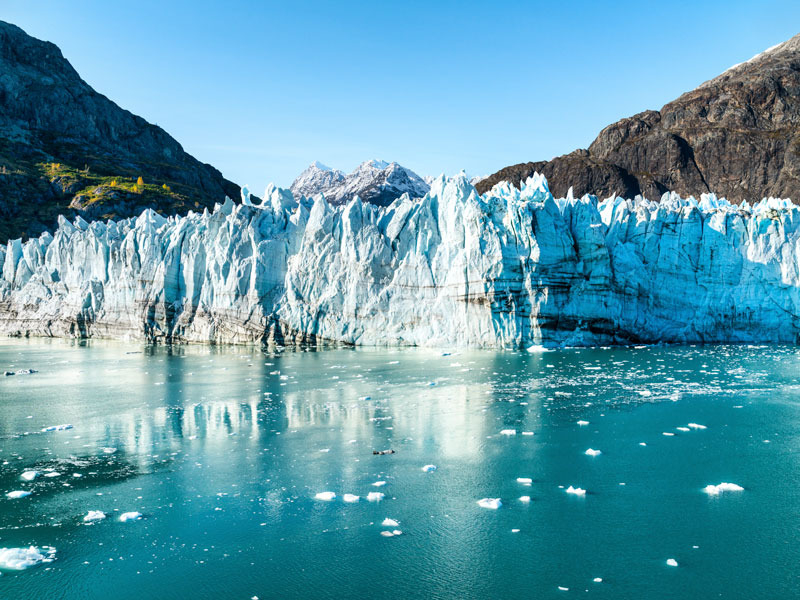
(379, 483)
(94, 515)
(668, 433)
(683, 429)
(325, 496)
(583, 423)
(392, 533)
(525, 499)
(493, 503)
(697, 426)
(527, 433)
(350, 498)
(387, 522)
(375, 496)
(576, 491)
(29, 475)
(429, 468)
(598, 580)
(716, 490)
(130, 516)
(18, 559)
(52, 474)
(57, 428)
(508, 432)
(18, 494)
(591, 452)
(671, 562)
(524, 480)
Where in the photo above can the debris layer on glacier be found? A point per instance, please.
(511, 268)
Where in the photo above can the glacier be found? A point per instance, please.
(509, 269)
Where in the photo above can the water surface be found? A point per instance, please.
(223, 450)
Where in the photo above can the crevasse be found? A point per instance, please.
(512, 268)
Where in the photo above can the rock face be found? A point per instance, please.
(737, 135)
(513, 268)
(374, 181)
(65, 149)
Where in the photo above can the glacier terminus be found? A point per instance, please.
(508, 269)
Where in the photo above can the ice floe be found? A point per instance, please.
(592, 452)
(525, 499)
(387, 522)
(697, 426)
(29, 475)
(18, 559)
(524, 480)
(56, 428)
(493, 503)
(429, 468)
(379, 483)
(508, 432)
(716, 490)
(350, 498)
(583, 423)
(671, 562)
(17, 494)
(130, 516)
(325, 496)
(375, 497)
(94, 515)
(598, 580)
(576, 491)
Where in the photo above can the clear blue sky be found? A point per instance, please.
(261, 89)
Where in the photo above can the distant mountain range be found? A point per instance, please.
(374, 181)
(66, 149)
(737, 135)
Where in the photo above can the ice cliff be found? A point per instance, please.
(511, 268)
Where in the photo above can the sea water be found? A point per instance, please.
(240, 473)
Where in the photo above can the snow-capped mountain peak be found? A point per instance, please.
(375, 181)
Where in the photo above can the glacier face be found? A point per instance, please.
(510, 269)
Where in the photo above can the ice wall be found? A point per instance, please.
(512, 268)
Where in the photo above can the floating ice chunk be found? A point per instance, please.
(387, 522)
(583, 423)
(57, 428)
(697, 426)
(524, 480)
(397, 532)
(493, 503)
(109, 450)
(52, 474)
(325, 496)
(429, 468)
(683, 429)
(537, 349)
(643, 443)
(527, 432)
(716, 490)
(94, 515)
(525, 499)
(18, 559)
(592, 452)
(29, 475)
(387, 534)
(515, 531)
(325, 450)
(350, 498)
(668, 433)
(375, 497)
(508, 432)
(563, 589)
(17, 494)
(379, 483)
(598, 580)
(576, 491)
(671, 562)
(130, 516)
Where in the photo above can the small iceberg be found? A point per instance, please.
(325, 496)
(375, 497)
(17, 494)
(350, 498)
(130, 516)
(592, 452)
(508, 432)
(387, 522)
(429, 468)
(379, 483)
(668, 433)
(598, 580)
(525, 499)
(576, 491)
(527, 433)
(492, 503)
(671, 562)
(394, 533)
(524, 480)
(684, 429)
(94, 515)
(57, 428)
(583, 423)
(29, 475)
(716, 490)
(19, 559)
(52, 474)
(697, 426)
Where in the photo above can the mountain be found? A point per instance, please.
(737, 135)
(66, 149)
(374, 181)
(509, 269)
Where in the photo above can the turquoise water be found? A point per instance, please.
(223, 450)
